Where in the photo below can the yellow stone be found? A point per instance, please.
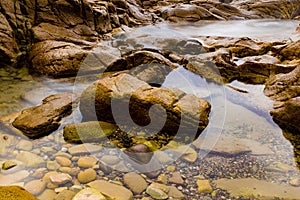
(204, 186)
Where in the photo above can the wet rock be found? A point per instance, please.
(65, 195)
(60, 179)
(15, 193)
(35, 187)
(111, 191)
(295, 181)
(8, 164)
(46, 177)
(13, 178)
(186, 12)
(41, 120)
(87, 176)
(24, 145)
(52, 165)
(176, 178)
(156, 193)
(48, 194)
(139, 153)
(64, 162)
(30, 159)
(135, 182)
(87, 162)
(253, 188)
(189, 155)
(175, 193)
(84, 149)
(39, 173)
(89, 194)
(110, 160)
(92, 131)
(111, 95)
(204, 186)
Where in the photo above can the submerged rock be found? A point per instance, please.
(15, 193)
(92, 131)
(125, 100)
(41, 120)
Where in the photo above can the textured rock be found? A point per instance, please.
(156, 193)
(9, 164)
(15, 193)
(30, 159)
(112, 191)
(35, 187)
(60, 179)
(117, 89)
(89, 194)
(92, 131)
(41, 120)
(204, 186)
(87, 176)
(253, 188)
(135, 182)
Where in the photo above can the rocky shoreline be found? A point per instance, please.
(68, 38)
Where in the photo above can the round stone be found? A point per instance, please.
(35, 187)
(87, 162)
(63, 161)
(87, 176)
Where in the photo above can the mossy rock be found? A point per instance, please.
(15, 193)
(92, 131)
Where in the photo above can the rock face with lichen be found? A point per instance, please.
(126, 100)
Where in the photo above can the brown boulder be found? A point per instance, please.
(125, 100)
(41, 120)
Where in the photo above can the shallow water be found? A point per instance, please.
(234, 114)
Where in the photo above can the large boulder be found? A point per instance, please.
(41, 120)
(15, 193)
(126, 100)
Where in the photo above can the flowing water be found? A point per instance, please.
(242, 117)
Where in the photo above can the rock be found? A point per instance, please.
(87, 176)
(110, 160)
(253, 188)
(8, 164)
(111, 191)
(135, 182)
(143, 96)
(30, 159)
(15, 193)
(39, 173)
(156, 193)
(291, 51)
(24, 145)
(47, 195)
(89, 194)
(176, 178)
(92, 131)
(204, 186)
(46, 177)
(63, 161)
(87, 162)
(39, 121)
(190, 155)
(175, 193)
(295, 182)
(65, 195)
(60, 179)
(186, 12)
(35, 187)
(84, 149)
(162, 187)
(13, 178)
(52, 165)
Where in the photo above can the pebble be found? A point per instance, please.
(62, 154)
(87, 162)
(295, 182)
(87, 176)
(135, 182)
(46, 177)
(35, 187)
(175, 193)
(171, 168)
(8, 164)
(24, 145)
(204, 186)
(47, 195)
(89, 194)
(39, 173)
(60, 179)
(63, 161)
(84, 149)
(65, 195)
(156, 193)
(190, 155)
(30, 159)
(110, 160)
(52, 165)
(176, 178)
(162, 179)
(111, 191)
